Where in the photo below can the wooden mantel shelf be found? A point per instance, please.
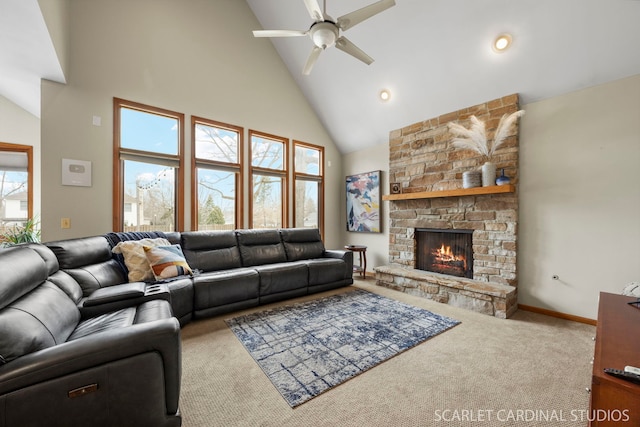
(496, 189)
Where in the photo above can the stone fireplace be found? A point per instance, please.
(444, 251)
(429, 170)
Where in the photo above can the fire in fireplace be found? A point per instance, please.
(445, 251)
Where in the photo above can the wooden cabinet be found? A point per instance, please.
(615, 400)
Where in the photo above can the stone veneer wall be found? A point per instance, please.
(422, 158)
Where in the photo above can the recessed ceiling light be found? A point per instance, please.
(502, 42)
(385, 95)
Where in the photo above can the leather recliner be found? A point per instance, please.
(61, 367)
(80, 345)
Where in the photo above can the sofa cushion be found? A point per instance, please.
(112, 320)
(181, 293)
(167, 261)
(68, 284)
(89, 261)
(135, 259)
(211, 250)
(152, 310)
(302, 243)
(225, 287)
(276, 278)
(47, 255)
(42, 318)
(258, 247)
(75, 253)
(92, 277)
(326, 270)
(145, 312)
(21, 270)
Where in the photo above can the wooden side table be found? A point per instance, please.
(362, 254)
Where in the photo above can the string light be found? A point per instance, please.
(159, 176)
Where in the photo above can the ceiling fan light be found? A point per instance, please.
(324, 34)
(502, 42)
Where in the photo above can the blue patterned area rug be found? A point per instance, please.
(307, 348)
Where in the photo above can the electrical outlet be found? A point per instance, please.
(65, 223)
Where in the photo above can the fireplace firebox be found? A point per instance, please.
(444, 251)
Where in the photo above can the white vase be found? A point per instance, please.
(488, 174)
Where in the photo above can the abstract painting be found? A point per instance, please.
(363, 202)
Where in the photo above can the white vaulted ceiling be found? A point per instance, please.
(435, 57)
(27, 54)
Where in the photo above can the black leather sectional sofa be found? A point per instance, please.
(81, 345)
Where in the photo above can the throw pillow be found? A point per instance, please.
(135, 258)
(167, 261)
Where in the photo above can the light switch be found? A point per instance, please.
(97, 121)
(65, 223)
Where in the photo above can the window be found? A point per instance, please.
(148, 168)
(309, 186)
(268, 180)
(16, 184)
(217, 175)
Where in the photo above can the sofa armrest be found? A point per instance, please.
(346, 256)
(115, 293)
(159, 336)
(117, 297)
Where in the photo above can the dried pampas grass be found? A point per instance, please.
(475, 138)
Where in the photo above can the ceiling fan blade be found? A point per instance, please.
(346, 46)
(314, 10)
(279, 33)
(313, 57)
(354, 18)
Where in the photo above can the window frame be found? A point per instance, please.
(302, 176)
(237, 168)
(142, 156)
(281, 173)
(28, 150)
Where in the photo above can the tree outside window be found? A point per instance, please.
(148, 165)
(309, 185)
(268, 180)
(218, 173)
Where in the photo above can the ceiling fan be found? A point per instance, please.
(325, 31)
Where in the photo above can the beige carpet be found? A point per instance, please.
(530, 370)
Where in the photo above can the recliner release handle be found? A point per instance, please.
(81, 391)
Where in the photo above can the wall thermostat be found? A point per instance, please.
(76, 172)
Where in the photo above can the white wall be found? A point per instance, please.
(18, 126)
(56, 16)
(199, 60)
(371, 159)
(579, 158)
(580, 197)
